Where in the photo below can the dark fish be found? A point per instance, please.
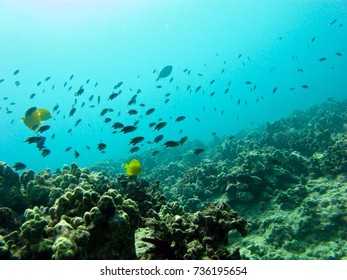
(17, 83)
(30, 111)
(300, 70)
(338, 54)
(304, 86)
(47, 79)
(43, 128)
(322, 59)
(331, 23)
(292, 88)
(77, 154)
(158, 138)
(166, 100)
(149, 111)
(38, 83)
(19, 166)
(160, 125)
(132, 112)
(198, 88)
(16, 72)
(136, 140)
(70, 130)
(45, 152)
(68, 149)
(65, 84)
(134, 149)
(152, 124)
(99, 98)
(154, 153)
(248, 82)
(183, 140)
(80, 91)
(72, 112)
(142, 105)
(32, 96)
(35, 139)
(171, 144)
(118, 85)
(128, 128)
(1, 80)
(101, 146)
(198, 151)
(212, 82)
(197, 119)
(107, 120)
(71, 77)
(274, 90)
(87, 81)
(158, 86)
(96, 84)
(103, 112)
(136, 122)
(113, 95)
(180, 118)
(171, 80)
(313, 39)
(91, 97)
(226, 90)
(117, 125)
(168, 94)
(212, 93)
(82, 105)
(56, 107)
(88, 148)
(53, 136)
(165, 72)
(78, 122)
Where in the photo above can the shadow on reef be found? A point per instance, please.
(77, 214)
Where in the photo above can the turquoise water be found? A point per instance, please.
(107, 42)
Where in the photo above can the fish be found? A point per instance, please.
(212, 93)
(76, 154)
(19, 166)
(198, 151)
(17, 83)
(136, 140)
(71, 77)
(133, 168)
(30, 111)
(183, 140)
(45, 152)
(212, 82)
(152, 124)
(154, 153)
(331, 23)
(43, 128)
(300, 70)
(91, 97)
(99, 98)
(113, 95)
(197, 88)
(304, 86)
(165, 72)
(168, 94)
(2, 80)
(88, 148)
(101, 146)
(72, 112)
(158, 138)
(107, 120)
(117, 125)
(197, 119)
(78, 122)
(53, 136)
(274, 90)
(149, 111)
(134, 149)
(16, 72)
(32, 95)
(103, 112)
(338, 54)
(68, 149)
(132, 112)
(171, 144)
(180, 118)
(118, 85)
(160, 125)
(128, 128)
(55, 108)
(47, 79)
(313, 39)
(248, 82)
(322, 59)
(80, 91)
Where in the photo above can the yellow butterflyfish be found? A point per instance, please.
(133, 168)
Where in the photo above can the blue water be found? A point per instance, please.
(113, 41)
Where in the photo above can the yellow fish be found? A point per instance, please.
(33, 120)
(133, 168)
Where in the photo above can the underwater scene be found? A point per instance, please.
(179, 130)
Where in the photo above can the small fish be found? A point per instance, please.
(248, 82)
(197, 119)
(43, 128)
(117, 125)
(160, 125)
(322, 59)
(134, 149)
(53, 136)
(183, 140)
(113, 95)
(72, 112)
(118, 85)
(38, 83)
(132, 112)
(133, 168)
(2, 80)
(198, 88)
(338, 54)
(19, 166)
(180, 118)
(35, 139)
(158, 138)
(152, 124)
(274, 90)
(313, 39)
(55, 108)
(76, 154)
(136, 140)
(45, 152)
(304, 86)
(71, 77)
(16, 72)
(78, 122)
(107, 120)
(198, 151)
(68, 149)
(91, 97)
(165, 72)
(32, 95)
(103, 112)
(99, 98)
(128, 129)
(331, 23)
(47, 79)
(154, 153)
(300, 70)
(80, 91)
(30, 111)
(149, 111)
(171, 144)
(88, 148)
(101, 146)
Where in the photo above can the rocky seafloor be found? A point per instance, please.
(278, 191)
